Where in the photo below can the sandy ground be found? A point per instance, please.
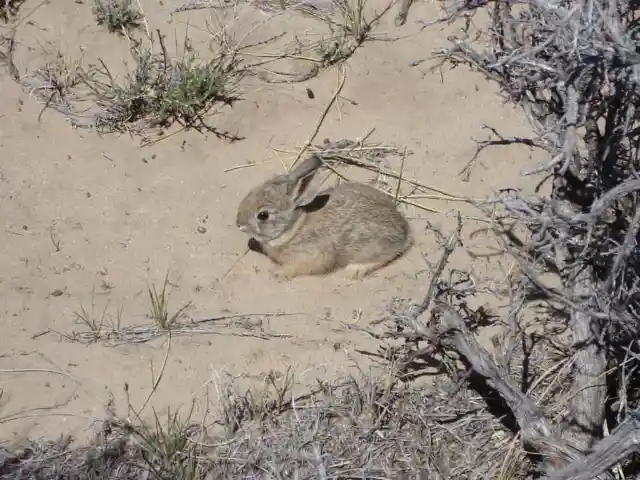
(91, 222)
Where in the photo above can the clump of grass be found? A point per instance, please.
(159, 310)
(170, 447)
(349, 24)
(354, 22)
(238, 408)
(56, 79)
(162, 90)
(349, 31)
(99, 326)
(119, 16)
(166, 448)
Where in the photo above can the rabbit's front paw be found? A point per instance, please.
(255, 246)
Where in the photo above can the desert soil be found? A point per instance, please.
(92, 221)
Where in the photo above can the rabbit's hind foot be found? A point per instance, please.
(358, 271)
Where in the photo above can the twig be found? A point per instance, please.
(340, 69)
(537, 431)
(157, 381)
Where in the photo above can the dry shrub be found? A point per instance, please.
(364, 427)
(573, 68)
(9, 9)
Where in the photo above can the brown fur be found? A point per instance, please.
(358, 226)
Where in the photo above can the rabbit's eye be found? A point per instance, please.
(263, 215)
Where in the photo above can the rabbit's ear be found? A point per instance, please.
(302, 192)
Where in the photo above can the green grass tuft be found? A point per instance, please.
(119, 16)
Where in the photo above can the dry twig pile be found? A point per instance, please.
(573, 67)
